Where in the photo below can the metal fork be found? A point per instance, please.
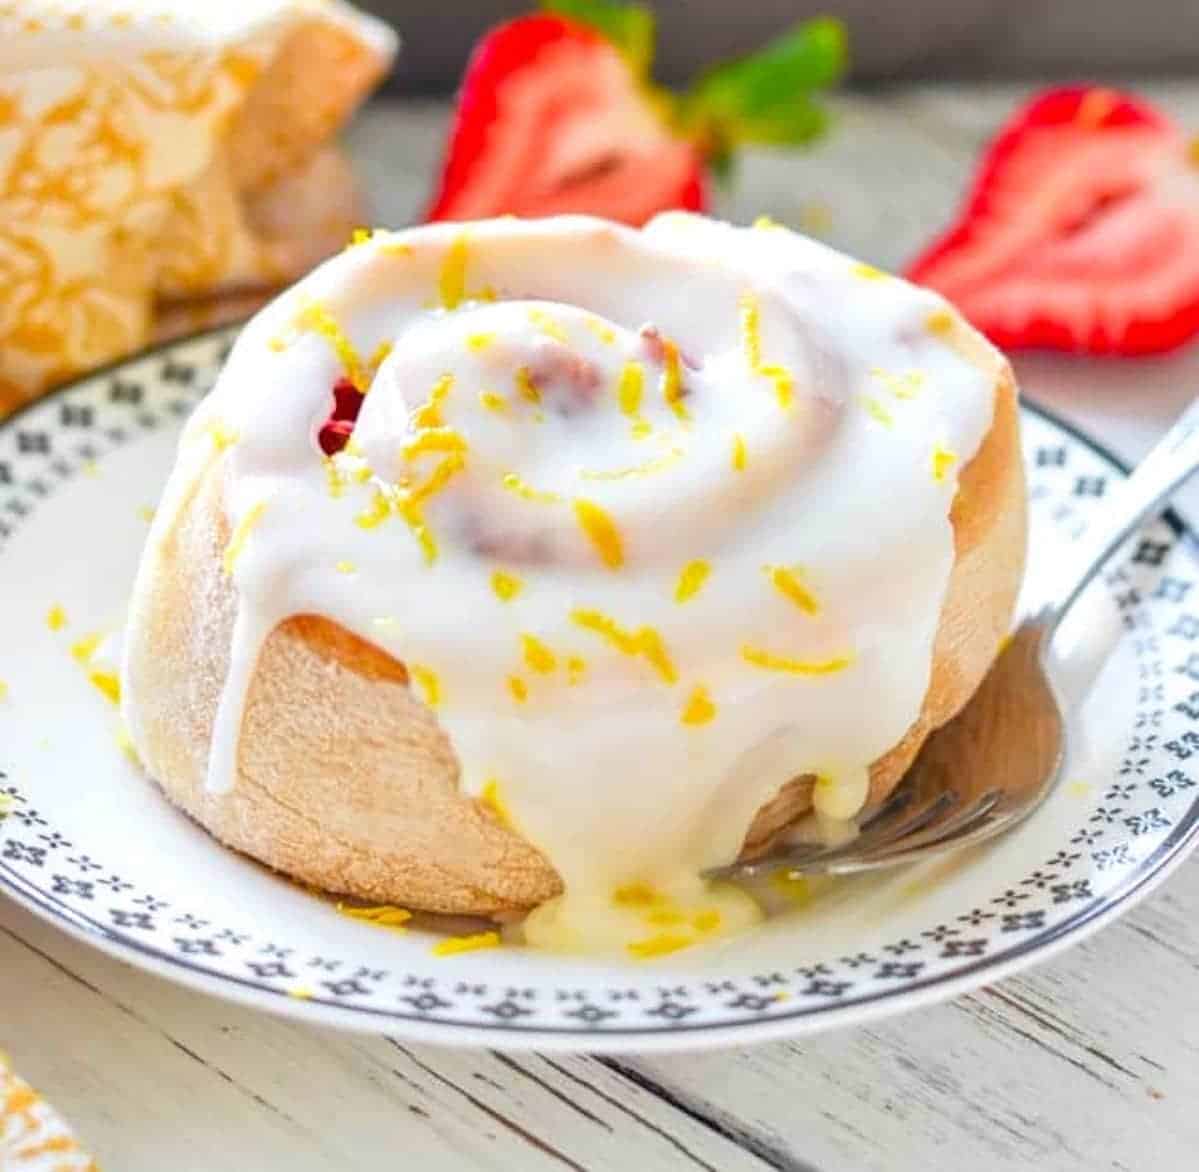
(992, 765)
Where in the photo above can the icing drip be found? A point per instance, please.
(250, 631)
(691, 485)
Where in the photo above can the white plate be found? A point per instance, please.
(89, 843)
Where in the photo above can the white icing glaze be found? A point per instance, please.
(829, 549)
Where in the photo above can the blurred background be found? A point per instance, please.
(896, 40)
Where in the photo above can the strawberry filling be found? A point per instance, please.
(567, 382)
(335, 432)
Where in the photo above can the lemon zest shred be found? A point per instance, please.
(601, 531)
(548, 325)
(707, 920)
(346, 567)
(107, 683)
(788, 581)
(518, 688)
(379, 355)
(3, 690)
(691, 580)
(645, 641)
(83, 649)
(659, 945)
(740, 456)
(381, 915)
(877, 411)
(377, 513)
(409, 510)
(939, 322)
(221, 434)
(665, 918)
(699, 708)
(477, 343)
(334, 480)
(902, 386)
(672, 379)
(395, 248)
(454, 463)
(942, 460)
(241, 535)
(434, 439)
(430, 683)
(493, 401)
(454, 945)
(429, 413)
(768, 661)
(316, 317)
(576, 668)
(493, 800)
(451, 283)
(630, 388)
(637, 895)
(515, 484)
(751, 330)
(506, 586)
(125, 743)
(605, 333)
(537, 656)
(646, 468)
(525, 386)
(868, 272)
(765, 223)
(751, 335)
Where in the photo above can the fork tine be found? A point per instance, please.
(942, 833)
(900, 797)
(877, 831)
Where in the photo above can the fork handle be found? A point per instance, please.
(1173, 459)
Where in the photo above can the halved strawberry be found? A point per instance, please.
(551, 119)
(1081, 230)
(557, 114)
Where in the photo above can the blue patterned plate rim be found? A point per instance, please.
(664, 1034)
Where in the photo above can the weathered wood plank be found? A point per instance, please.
(142, 1068)
(1091, 1061)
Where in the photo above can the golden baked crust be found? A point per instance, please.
(347, 782)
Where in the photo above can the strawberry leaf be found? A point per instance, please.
(630, 27)
(765, 97)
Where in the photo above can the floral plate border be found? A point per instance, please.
(1148, 818)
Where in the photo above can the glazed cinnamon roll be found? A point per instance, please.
(545, 564)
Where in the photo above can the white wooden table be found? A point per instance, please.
(1089, 1063)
